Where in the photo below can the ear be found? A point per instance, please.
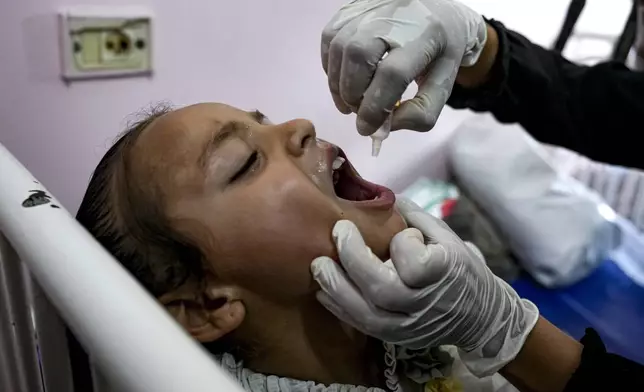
(206, 311)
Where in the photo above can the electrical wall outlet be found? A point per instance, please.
(105, 42)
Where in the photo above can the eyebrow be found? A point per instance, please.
(228, 130)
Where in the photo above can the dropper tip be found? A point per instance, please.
(375, 147)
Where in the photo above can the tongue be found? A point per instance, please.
(356, 189)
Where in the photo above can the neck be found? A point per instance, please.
(309, 343)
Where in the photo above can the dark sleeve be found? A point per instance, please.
(592, 110)
(601, 371)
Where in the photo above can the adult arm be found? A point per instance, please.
(592, 110)
(437, 290)
(550, 360)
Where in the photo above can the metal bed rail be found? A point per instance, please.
(133, 341)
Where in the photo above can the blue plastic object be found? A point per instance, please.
(607, 300)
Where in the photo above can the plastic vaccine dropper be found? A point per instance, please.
(382, 133)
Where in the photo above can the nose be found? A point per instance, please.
(298, 134)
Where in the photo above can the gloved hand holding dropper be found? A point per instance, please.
(425, 41)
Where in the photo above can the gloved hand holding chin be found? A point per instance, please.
(435, 290)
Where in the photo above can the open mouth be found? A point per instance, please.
(348, 185)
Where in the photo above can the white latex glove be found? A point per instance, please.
(436, 290)
(426, 41)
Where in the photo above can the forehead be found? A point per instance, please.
(181, 131)
(179, 128)
(175, 140)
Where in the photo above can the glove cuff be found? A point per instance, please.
(476, 45)
(504, 343)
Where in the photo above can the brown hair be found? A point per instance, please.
(126, 217)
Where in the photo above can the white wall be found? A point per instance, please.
(248, 53)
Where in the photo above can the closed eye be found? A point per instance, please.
(246, 168)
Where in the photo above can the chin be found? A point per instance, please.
(379, 238)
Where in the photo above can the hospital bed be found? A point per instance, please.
(44, 251)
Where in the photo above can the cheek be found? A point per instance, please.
(267, 242)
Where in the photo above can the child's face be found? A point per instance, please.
(258, 198)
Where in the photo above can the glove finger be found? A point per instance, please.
(403, 202)
(339, 104)
(394, 73)
(421, 112)
(432, 228)
(329, 275)
(334, 307)
(370, 321)
(342, 298)
(377, 282)
(418, 265)
(478, 256)
(359, 61)
(334, 282)
(476, 251)
(334, 64)
(328, 34)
